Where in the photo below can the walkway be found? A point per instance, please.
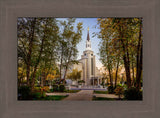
(83, 95)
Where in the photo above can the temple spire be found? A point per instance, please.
(88, 42)
(88, 35)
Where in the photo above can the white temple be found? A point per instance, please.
(87, 64)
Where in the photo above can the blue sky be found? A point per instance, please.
(91, 23)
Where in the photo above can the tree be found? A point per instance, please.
(37, 44)
(123, 40)
(26, 33)
(74, 75)
(68, 44)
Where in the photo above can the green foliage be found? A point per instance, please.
(37, 89)
(72, 91)
(42, 96)
(42, 42)
(58, 88)
(55, 97)
(110, 89)
(101, 92)
(81, 81)
(36, 95)
(68, 43)
(121, 44)
(119, 91)
(24, 93)
(103, 98)
(133, 94)
(119, 85)
(61, 88)
(55, 88)
(74, 75)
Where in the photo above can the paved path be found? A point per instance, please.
(83, 95)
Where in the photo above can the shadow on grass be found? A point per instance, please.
(106, 99)
(53, 97)
(100, 92)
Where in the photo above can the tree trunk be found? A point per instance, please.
(30, 51)
(37, 62)
(125, 56)
(110, 77)
(61, 63)
(67, 65)
(116, 73)
(133, 72)
(139, 60)
(127, 69)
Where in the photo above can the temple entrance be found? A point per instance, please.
(94, 81)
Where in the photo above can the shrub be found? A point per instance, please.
(43, 94)
(55, 88)
(119, 85)
(61, 88)
(24, 92)
(45, 88)
(36, 95)
(133, 94)
(110, 89)
(81, 81)
(37, 89)
(119, 91)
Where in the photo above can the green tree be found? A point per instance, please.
(122, 44)
(37, 44)
(26, 34)
(70, 37)
(74, 75)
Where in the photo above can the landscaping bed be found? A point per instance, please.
(100, 92)
(104, 98)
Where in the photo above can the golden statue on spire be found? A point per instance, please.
(88, 28)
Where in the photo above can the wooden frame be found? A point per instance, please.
(10, 107)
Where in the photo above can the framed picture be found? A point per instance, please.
(79, 59)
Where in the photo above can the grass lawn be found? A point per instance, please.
(72, 91)
(103, 98)
(100, 92)
(65, 91)
(40, 96)
(54, 97)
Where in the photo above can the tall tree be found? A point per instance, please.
(125, 42)
(70, 37)
(37, 44)
(26, 33)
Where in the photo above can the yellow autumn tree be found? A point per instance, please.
(74, 75)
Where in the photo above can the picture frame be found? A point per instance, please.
(10, 107)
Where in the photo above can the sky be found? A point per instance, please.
(91, 23)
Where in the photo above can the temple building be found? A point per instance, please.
(87, 64)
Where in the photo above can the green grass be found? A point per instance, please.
(39, 96)
(101, 98)
(100, 92)
(54, 97)
(107, 99)
(72, 91)
(66, 91)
